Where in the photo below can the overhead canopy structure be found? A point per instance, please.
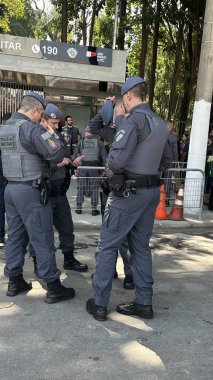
(66, 74)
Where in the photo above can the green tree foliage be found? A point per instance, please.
(8, 9)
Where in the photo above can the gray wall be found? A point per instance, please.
(80, 114)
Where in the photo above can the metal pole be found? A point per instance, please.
(115, 24)
(203, 98)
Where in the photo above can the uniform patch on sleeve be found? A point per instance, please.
(120, 135)
(52, 144)
(46, 135)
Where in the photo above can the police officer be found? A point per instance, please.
(71, 133)
(27, 148)
(94, 155)
(134, 161)
(102, 125)
(59, 184)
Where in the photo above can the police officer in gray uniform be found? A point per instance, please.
(59, 184)
(94, 155)
(102, 125)
(27, 148)
(134, 161)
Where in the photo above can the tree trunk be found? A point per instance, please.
(64, 21)
(187, 90)
(122, 24)
(154, 54)
(92, 21)
(178, 57)
(144, 39)
(84, 27)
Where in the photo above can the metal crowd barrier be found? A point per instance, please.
(192, 181)
(88, 189)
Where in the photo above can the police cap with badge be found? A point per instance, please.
(51, 140)
(52, 112)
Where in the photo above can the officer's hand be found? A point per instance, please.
(65, 162)
(78, 161)
(120, 110)
(113, 98)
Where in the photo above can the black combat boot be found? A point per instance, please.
(17, 285)
(79, 209)
(133, 308)
(95, 212)
(71, 263)
(56, 292)
(98, 312)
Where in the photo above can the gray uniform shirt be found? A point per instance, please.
(138, 145)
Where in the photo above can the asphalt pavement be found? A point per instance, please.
(62, 341)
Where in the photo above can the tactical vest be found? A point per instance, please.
(148, 152)
(90, 149)
(18, 164)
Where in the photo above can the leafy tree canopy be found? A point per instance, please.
(8, 9)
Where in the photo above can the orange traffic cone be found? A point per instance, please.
(177, 209)
(160, 213)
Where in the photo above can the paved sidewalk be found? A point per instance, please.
(86, 221)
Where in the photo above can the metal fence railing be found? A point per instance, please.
(192, 181)
(85, 190)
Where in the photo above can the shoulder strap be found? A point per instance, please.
(17, 123)
(149, 115)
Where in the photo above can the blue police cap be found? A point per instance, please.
(131, 82)
(51, 111)
(107, 112)
(87, 128)
(37, 97)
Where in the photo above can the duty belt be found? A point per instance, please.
(145, 181)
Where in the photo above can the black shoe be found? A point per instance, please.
(70, 263)
(128, 282)
(56, 292)
(133, 308)
(98, 312)
(95, 212)
(78, 211)
(17, 285)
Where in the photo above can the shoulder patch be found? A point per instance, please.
(46, 135)
(120, 135)
(52, 144)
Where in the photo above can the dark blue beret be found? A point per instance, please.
(52, 111)
(36, 96)
(107, 112)
(131, 82)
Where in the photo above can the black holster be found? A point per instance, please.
(117, 184)
(43, 185)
